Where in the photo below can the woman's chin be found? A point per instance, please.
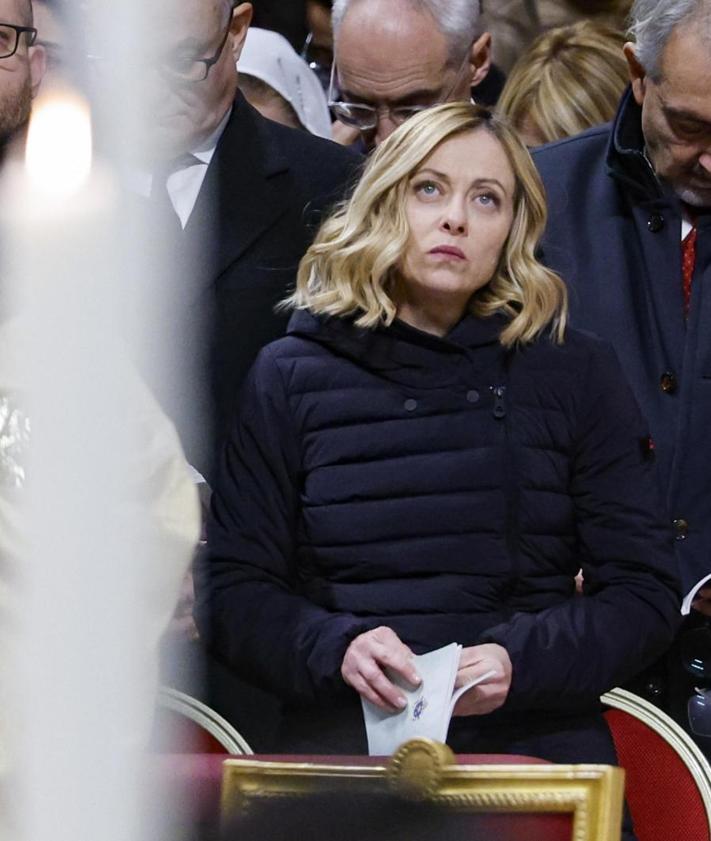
(446, 280)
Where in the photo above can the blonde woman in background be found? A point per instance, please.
(428, 457)
(514, 24)
(571, 78)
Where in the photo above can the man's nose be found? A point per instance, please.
(705, 160)
(385, 127)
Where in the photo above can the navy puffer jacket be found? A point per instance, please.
(448, 489)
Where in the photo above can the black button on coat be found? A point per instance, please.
(338, 511)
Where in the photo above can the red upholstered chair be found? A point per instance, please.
(668, 779)
(185, 725)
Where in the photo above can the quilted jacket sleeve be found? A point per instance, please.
(569, 654)
(249, 608)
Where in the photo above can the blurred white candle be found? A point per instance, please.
(80, 652)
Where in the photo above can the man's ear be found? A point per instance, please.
(638, 75)
(241, 18)
(480, 59)
(37, 58)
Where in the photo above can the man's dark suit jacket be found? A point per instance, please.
(265, 191)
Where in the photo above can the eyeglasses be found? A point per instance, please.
(366, 117)
(10, 38)
(695, 646)
(187, 70)
(190, 69)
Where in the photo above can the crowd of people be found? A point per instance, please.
(448, 267)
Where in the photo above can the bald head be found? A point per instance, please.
(457, 20)
(391, 54)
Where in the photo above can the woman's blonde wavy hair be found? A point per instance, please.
(350, 268)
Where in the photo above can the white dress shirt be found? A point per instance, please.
(686, 227)
(184, 184)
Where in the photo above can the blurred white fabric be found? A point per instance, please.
(270, 57)
(158, 506)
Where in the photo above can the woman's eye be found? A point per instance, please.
(427, 188)
(488, 199)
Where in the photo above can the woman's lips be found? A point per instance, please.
(449, 251)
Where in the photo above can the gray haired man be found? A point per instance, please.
(394, 57)
(630, 232)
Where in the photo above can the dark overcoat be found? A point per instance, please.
(614, 235)
(264, 194)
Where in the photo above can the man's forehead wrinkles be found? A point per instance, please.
(385, 85)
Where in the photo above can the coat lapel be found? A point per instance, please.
(243, 193)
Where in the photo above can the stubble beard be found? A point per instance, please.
(15, 114)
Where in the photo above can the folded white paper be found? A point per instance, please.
(429, 705)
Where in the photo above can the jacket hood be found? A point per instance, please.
(402, 353)
(626, 160)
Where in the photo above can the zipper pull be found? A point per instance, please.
(499, 392)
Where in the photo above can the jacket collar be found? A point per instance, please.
(244, 189)
(626, 160)
(402, 353)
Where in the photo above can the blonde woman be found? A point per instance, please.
(428, 457)
(569, 79)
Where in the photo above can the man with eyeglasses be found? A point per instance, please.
(395, 57)
(240, 197)
(243, 193)
(22, 66)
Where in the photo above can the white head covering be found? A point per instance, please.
(270, 57)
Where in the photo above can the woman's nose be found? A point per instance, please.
(455, 219)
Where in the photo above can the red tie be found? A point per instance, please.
(688, 261)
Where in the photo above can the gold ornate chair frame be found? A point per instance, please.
(425, 770)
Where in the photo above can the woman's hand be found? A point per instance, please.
(365, 660)
(488, 696)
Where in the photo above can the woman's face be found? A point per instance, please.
(459, 206)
